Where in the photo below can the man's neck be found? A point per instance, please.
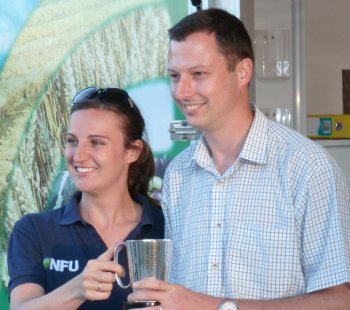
(226, 143)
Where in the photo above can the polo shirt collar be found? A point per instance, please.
(72, 215)
(147, 214)
(71, 212)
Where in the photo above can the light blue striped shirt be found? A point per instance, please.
(276, 224)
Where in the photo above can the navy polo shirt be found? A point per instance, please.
(50, 248)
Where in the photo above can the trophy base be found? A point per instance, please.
(139, 304)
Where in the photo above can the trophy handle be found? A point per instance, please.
(117, 249)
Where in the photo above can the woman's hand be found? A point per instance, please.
(95, 282)
(97, 278)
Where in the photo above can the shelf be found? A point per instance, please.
(333, 142)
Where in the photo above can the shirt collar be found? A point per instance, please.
(254, 148)
(72, 215)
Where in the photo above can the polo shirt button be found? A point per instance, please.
(98, 245)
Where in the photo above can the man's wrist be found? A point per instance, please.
(228, 304)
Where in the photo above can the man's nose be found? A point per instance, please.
(183, 89)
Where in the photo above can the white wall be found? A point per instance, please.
(273, 15)
(327, 47)
(326, 27)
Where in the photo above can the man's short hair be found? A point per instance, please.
(230, 33)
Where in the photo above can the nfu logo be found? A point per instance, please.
(60, 264)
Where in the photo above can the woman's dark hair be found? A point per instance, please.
(231, 35)
(118, 101)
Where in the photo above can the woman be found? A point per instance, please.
(63, 258)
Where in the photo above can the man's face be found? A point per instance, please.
(203, 88)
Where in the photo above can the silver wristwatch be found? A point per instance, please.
(228, 304)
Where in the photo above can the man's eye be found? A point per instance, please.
(173, 76)
(97, 143)
(199, 73)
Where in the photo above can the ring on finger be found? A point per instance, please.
(99, 287)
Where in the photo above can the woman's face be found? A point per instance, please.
(95, 154)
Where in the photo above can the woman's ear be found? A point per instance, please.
(245, 70)
(135, 151)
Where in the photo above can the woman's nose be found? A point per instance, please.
(81, 153)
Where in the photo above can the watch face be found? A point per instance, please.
(229, 305)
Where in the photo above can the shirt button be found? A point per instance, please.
(220, 183)
(214, 266)
(218, 225)
(98, 245)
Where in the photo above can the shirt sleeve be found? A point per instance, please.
(24, 259)
(326, 228)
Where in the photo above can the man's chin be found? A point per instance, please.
(192, 122)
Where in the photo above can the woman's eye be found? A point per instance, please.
(71, 141)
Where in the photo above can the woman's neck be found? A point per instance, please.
(113, 217)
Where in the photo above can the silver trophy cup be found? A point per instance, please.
(147, 259)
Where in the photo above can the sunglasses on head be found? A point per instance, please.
(112, 95)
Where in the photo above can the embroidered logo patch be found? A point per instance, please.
(60, 265)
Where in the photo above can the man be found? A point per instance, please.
(259, 215)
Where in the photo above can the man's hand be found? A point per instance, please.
(171, 297)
